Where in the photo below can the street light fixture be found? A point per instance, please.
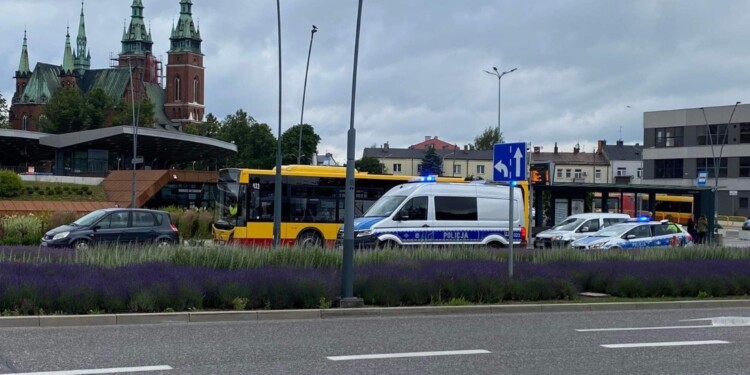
(499, 76)
(304, 91)
(277, 178)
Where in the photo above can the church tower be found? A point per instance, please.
(185, 71)
(137, 49)
(82, 57)
(67, 71)
(23, 73)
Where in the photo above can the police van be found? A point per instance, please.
(415, 214)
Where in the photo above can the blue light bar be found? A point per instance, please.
(424, 179)
(644, 218)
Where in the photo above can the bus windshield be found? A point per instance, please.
(229, 205)
(385, 206)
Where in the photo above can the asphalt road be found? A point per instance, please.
(537, 343)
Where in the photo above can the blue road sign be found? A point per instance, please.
(702, 177)
(509, 160)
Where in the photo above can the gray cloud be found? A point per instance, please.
(580, 62)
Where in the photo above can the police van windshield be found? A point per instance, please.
(568, 224)
(385, 206)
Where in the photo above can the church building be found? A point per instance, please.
(177, 96)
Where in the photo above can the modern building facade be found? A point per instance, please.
(682, 145)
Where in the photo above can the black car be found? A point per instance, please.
(115, 226)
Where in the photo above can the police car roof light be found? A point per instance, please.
(431, 178)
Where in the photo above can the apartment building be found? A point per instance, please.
(457, 161)
(574, 167)
(626, 162)
(682, 145)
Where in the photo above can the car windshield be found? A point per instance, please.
(385, 206)
(613, 231)
(90, 218)
(568, 224)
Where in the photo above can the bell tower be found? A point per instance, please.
(185, 72)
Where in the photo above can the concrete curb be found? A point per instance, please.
(367, 312)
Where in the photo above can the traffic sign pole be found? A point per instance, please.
(510, 236)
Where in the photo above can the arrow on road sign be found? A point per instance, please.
(518, 156)
(502, 168)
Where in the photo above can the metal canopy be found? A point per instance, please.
(623, 188)
(18, 147)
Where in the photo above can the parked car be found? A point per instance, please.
(746, 225)
(636, 234)
(115, 226)
(575, 227)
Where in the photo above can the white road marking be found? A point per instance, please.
(657, 328)
(116, 370)
(672, 343)
(407, 355)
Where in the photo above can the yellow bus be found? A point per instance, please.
(675, 208)
(312, 203)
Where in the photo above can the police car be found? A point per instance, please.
(638, 233)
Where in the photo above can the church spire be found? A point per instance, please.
(136, 40)
(185, 37)
(68, 62)
(82, 55)
(23, 64)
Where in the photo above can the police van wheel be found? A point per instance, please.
(309, 239)
(495, 245)
(387, 244)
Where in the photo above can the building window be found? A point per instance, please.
(397, 167)
(668, 168)
(25, 123)
(195, 90)
(578, 174)
(559, 173)
(669, 137)
(598, 174)
(744, 202)
(713, 135)
(707, 165)
(480, 169)
(745, 167)
(567, 173)
(177, 89)
(745, 133)
(640, 172)
(622, 171)
(457, 169)
(419, 168)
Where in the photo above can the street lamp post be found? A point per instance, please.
(499, 76)
(277, 179)
(135, 136)
(304, 91)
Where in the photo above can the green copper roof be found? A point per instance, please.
(185, 36)
(68, 63)
(82, 56)
(23, 65)
(135, 39)
(157, 96)
(44, 82)
(114, 82)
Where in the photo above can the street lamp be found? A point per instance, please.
(499, 76)
(135, 136)
(304, 91)
(277, 178)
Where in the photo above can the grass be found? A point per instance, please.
(59, 192)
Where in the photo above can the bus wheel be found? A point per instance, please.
(387, 244)
(309, 239)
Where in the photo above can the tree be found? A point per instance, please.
(99, 107)
(209, 128)
(432, 163)
(65, 112)
(4, 123)
(256, 145)
(370, 165)
(488, 138)
(123, 113)
(290, 144)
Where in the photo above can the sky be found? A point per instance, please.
(587, 69)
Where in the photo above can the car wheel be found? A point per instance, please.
(164, 242)
(81, 244)
(310, 239)
(387, 244)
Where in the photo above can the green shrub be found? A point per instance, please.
(21, 230)
(187, 224)
(11, 184)
(85, 188)
(205, 219)
(58, 190)
(36, 188)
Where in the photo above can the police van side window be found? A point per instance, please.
(415, 209)
(456, 208)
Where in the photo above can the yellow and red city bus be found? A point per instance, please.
(312, 203)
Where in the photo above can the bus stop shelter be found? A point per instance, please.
(703, 197)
